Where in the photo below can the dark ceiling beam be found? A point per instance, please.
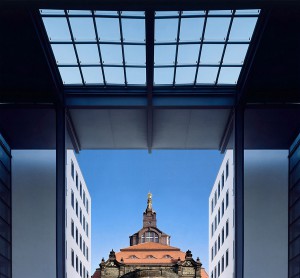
(241, 94)
(57, 81)
(149, 21)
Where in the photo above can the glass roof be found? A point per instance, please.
(195, 48)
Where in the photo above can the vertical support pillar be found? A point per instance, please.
(239, 190)
(60, 190)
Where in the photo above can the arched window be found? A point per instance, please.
(167, 257)
(150, 237)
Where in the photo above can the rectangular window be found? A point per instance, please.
(212, 274)
(80, 190)
(83, 271)
(72, 257)
(76, 180)
(226, 257)
(216, 248)
(72, 169)
(222, 264)
(87, 274)
(212, 253)
(227, 228)
(219, 216)
(87, 229)
(83, 248)
(215, 197)
(83, 223)
(215, 271)
(218, 268)
(212, 205)
(76, 207)
(223, 183)
(215, 222)
(212, 229)
(76, 235)
(222, 235)
(80, 216)
(219, 189)
(87, 253)
(222, 207)
(72, 228)
(80, 242)
(80, 272)
(227, 170)
(87, 205)
(227, 199)
(219, 242)
(72, 199)
(76, 263)
(84, 197)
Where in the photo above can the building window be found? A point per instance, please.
(227, 228)
(72, 228)
(216, 197)
(150, 237)
(212, 274)
(222, 236)
(219, 190)
(215, 271)
(83, 271)
(87, 274)
(219, 216)
(212, 229)
(219, 242)
(212, 253)
(72, 257)
(212, 205)
(76, 180)
(218, 268)
(76, 235)
(227, 170)
(87, 253)
(87, 205)
(222, 264)
(72, 169)
(80, 242)
(87, 229)
(84, 223)
(215, 222)
(83, 248)
(222, 207)
(227, 199)
(80, 216)
(80, 272)
(216, 248)
(84, 197)
(80, 190)
(76, 263)
(226, 258)
(76, 207)
(72, 199)
(223, 180)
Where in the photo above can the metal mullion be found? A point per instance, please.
(99, 42)
(98, 47)
(74, 46)
(201, 45)
(122, 46)
(5, 221)
(5, 239)
(177, 46)
(104, 66)
(225, 46)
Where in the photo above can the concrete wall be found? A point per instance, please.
(33, 214)
(266, 214)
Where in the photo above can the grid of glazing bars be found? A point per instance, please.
(190, 47)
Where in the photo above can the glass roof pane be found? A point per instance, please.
(80, 12)
(188, 54)
(242, 28)
(111, 54)
(133, 13)
(135, 54)
(52, 12)
(219, 12)
(207, 75)
(88, 53)
(167, 13)
(185, 75)
(108, 29)
(166, 30)
(252, 12)
(235, 53)
(191, 29)
(163, 76)
(133, 30)
(106, 13)
(229, 75)
(114, 75)
(70, 75)
(64, 54)
(136, 76)
(83, 28)
(92, 75)
(216, 28)
(211, 53)
(164, 54)
(201, 13)
(57, 28)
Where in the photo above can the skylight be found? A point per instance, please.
(109, 47)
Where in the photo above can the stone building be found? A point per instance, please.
(150, 255)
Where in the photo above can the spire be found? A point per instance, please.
(149, 216)
(149, 202)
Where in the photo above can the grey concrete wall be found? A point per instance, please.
(266, 214)
(33, 214)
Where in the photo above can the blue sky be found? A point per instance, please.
(180, 182)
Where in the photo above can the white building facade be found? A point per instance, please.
(221, 221)
(78, 221)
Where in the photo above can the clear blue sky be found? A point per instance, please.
(119, 181)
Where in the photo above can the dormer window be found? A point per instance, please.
(150, 257)
(132, 257)
(167, 257)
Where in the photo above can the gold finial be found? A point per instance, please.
(149, 201)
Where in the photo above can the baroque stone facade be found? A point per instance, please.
(150, 255)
